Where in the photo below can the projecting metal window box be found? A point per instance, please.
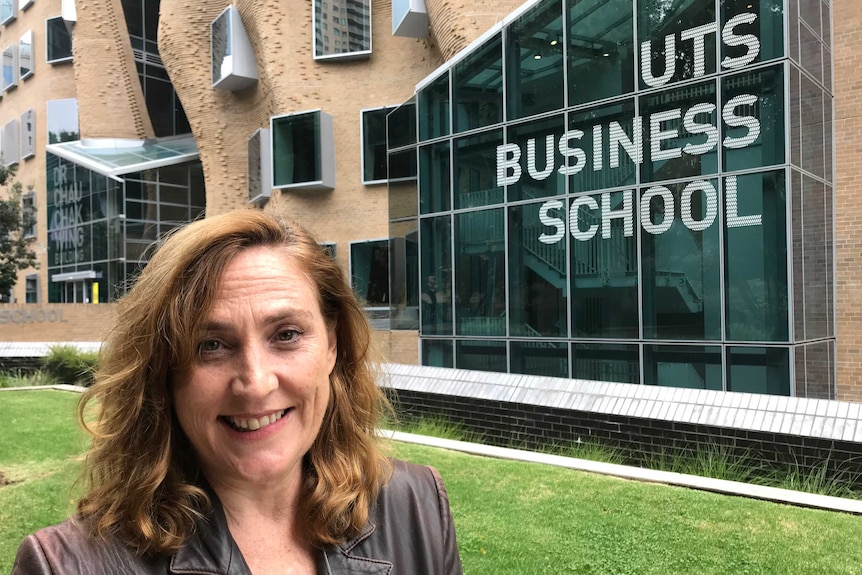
(25, 55)
(234, 66)
(303, 151)
(342, 29)
(8, 11)
(409, 18)
(259, 167)
(58, 41)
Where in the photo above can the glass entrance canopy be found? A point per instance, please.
(115, 157)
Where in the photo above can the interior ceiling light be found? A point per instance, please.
(537, 57)
(554, 42)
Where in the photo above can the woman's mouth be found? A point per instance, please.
(253, 423)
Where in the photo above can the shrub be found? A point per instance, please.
(68, 364)
(25, 379)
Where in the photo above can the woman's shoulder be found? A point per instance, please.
(414, 494)
(69, 548)
(410, 477)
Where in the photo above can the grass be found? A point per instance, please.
(37, 456)
(511, 517)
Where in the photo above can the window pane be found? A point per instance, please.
(673, 46)
(606, 362)
(604, 147)
(812, 133)
(757, 137)
(537, 144)
(697, 367)
(756, 257)
(766, 25)
(437, 353)
(434, 109)
(369, 271)
(62, 120)
(402, 164)
(25, 55)
(8, 11)
(480, 273)
(481, 355)
(537, 281)
(817, 269)
(295, 149)
(534, 66)
(478, 87)
(475, 173)
(434, 188)
(401, 125)
(349, 25)
(680, 133)
(436, 301)
(604, 271)
(601, 55)
(680, 249)
(540, 358)
(374, 144)
(10, 66)
(759, 370)
(58, 40)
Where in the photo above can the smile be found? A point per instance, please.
(253, 423)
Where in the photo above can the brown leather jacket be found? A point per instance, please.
(409, 532)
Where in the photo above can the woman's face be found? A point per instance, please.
(253, 401)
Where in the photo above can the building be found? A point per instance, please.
(627, 190)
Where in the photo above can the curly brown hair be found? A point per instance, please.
(142, 483)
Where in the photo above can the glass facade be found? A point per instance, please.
(101, 228)
(631, 190)
(164, 107)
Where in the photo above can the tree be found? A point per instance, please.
(15, 243)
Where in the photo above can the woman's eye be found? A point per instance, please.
(209, 346)
(288, 335)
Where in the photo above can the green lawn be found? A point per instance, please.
(511, 517)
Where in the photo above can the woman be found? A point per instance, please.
(235, 431)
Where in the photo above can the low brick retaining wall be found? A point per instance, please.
(643, 421)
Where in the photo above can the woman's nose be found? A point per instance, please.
(256, 374)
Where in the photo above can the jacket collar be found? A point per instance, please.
(340, 560)
(213, 550)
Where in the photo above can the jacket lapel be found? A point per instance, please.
(342, 561)
(211, 550)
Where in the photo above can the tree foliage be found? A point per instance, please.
(16, 251)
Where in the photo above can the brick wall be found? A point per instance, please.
(641, 421)
(847, 31)
(55, 322)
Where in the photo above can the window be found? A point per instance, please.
(25, 55)
(303, 151)
(395, 126)
(8, 11)
(10, 143)
(356, 27)
(28, 134)
(10, 67)
(259, 167)
(62, 120)
(369, 271)
(58, 41)
(233, 62)
(374, 145)
(31, 291)
(28, 202)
